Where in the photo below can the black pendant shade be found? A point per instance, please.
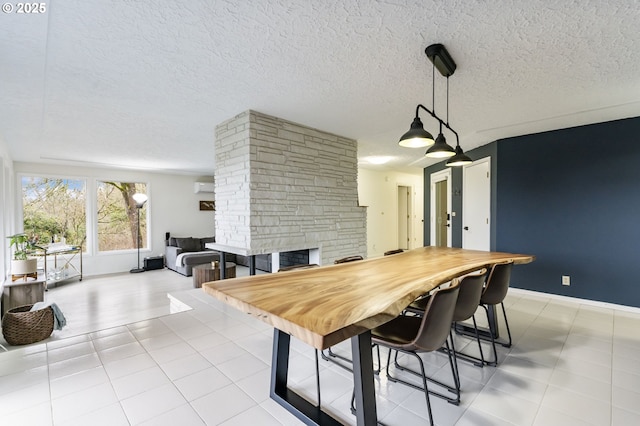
(417, 136)
(460, 159)
(441, 149)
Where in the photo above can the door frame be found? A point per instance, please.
(408, 221)
(464, 212)
(435, 178)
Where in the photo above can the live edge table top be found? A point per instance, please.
(326, 305)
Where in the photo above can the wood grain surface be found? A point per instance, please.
(326, 305)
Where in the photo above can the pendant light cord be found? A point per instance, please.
(447, 99)
(433, 88)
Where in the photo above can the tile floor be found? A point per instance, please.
(133, 355)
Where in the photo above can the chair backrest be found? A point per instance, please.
(469, 295)
(348, 259)
(437, 319)
(497, 284)
(390, 252)
(299, 266)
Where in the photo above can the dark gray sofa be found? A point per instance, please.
(183, 253)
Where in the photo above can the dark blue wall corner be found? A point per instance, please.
(571, 197)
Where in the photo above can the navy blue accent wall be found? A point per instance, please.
(571, 197)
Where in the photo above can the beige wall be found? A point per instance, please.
(378, 190)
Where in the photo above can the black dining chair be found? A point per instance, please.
(348, 259)
(471, 287)
(494, 294)
(412, 335)
(396, 251)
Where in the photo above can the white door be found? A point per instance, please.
(476, 205)
(440, 215)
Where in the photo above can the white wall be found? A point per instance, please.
(6, 206)
(378, 190)
(172, 207)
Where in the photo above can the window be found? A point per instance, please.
(117, 216)
(54, 210)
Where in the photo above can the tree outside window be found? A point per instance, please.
(117, 216)
(54, 210)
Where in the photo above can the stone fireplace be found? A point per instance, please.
(283, 187)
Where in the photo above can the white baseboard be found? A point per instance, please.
(577, 300)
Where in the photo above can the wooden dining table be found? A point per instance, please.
(326, 305)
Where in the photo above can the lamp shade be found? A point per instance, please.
(440, 149)
(460, 159)
(417, 136)
(140, 199)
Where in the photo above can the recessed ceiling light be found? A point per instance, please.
(378, 159)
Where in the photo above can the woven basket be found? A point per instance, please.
(20, 326)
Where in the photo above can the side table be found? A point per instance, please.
(206, 272)
(23, 291)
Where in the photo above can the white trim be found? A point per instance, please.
(435, 178)
(577, 300)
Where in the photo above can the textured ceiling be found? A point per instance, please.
(142, 84)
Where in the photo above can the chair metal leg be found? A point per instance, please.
(333, 357)
(422, 373)
(506, 323)
(318, 380)
(478, 362)
(493, 343)
(452, 389)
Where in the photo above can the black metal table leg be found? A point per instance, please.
(279, 392)
(365, 393)
(223, 265)
(252, 265)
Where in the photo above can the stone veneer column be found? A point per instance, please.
(281, 186)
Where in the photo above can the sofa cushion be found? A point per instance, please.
(188, 244)
(206, 240)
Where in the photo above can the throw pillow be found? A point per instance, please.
(188, 244)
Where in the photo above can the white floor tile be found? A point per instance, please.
(139, 382)
(151, 404)
(24, 398)
(78, 404)
(36, 415)
(577, 405)
(222, 404)
(77, 382)
(183, 415)
(130, 365)
(255, 415)
(23, 379)
(73, 365)
(550, 417)
(201, 383)
(505, 406)
(111, 415)
(185, 366)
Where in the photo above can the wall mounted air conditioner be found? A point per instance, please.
(203, 187)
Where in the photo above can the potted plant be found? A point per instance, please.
(22, 264)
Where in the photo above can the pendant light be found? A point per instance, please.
(460, 159)
(418, 137)
(441, 149)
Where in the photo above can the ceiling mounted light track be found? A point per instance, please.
(417, 136)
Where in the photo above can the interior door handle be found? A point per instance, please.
(466, 228)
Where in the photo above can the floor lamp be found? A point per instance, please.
(140, 199)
